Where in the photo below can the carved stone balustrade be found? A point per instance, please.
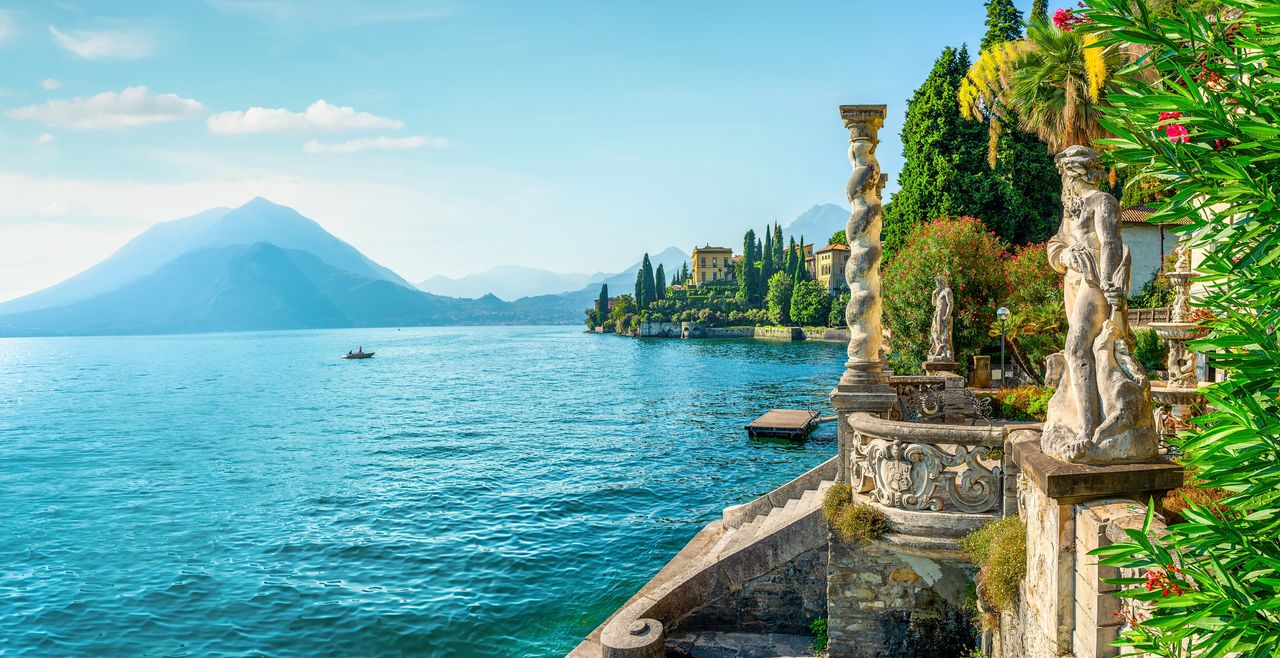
(934, 482)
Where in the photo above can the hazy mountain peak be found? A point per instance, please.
(258, 220)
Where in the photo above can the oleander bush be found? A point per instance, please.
(1200, 113)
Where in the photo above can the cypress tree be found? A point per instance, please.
(647, 283)
(1039, 11)
(802, 273)
(746, 267)
(660, 283)
(640, 287)
(602, 304)
(767, 257)
(1004, 23)
(789, 258)
(777, 248)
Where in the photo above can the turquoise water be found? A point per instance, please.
(466, 492)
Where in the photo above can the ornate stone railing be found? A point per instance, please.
(934, 482)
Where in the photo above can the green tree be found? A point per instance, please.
(945, 173)
(778, 265)
(648, 286)
(779, 298)
(836, 318)
(660, 283)
(789, 258)
(1039, 11)
(745, 268)
(838, 238)
(810, 303)
(1004, 23)
(639, 292)
(602, 304)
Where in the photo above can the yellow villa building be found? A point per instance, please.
(711, 264)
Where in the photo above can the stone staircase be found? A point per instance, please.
(762, 525)
(750, 541)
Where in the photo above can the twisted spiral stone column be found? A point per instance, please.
(862, 271)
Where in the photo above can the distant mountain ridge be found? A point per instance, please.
(817, 224)
(512, 282)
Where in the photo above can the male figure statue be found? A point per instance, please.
(1101, 411)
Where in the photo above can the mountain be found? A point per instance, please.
(671, 259)
(513, 282)
(259, 220)
(264, 286)
(818, 223)
(507, 282)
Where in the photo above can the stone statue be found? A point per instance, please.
(1181, 280)
(940, 348)
(1101, 411)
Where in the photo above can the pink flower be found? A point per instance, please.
(1177, 132)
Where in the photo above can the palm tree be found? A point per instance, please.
(1032, 333)
(1050, 84)
(1057, 86)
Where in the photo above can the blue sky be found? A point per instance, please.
(444, 137)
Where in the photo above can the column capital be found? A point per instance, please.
(863, 118)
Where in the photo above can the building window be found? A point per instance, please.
(714, 262)
(704, 261)
(703, 276)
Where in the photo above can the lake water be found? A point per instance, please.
(466, 492)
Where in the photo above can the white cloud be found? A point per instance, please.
(49, 84)
(135, 106)
(320, 116)
(7, 26)
(44, 138)
(376, 143)
(104, 44)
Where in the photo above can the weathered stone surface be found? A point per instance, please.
(913, 607)
(738, 645)
(784, 600)
(1068, 482)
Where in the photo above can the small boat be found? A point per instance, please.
(358, 354)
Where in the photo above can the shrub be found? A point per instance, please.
(849, 520)
(1021, 403)
(836, 317)
(1030, 279)
(970, 255)
(819, 629)
(1150, 351)
(810, 304)
(779, 298)
(999, 549)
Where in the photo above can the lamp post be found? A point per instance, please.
(1003, 314)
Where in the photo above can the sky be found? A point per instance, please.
(444, 137)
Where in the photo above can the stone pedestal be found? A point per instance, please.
(981, 375)
(940, 367)
(1065, 609)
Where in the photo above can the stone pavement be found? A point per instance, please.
(738, 645)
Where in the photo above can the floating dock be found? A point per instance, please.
(785, 424)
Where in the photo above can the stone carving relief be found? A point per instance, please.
(1101, 411)
(928, 477)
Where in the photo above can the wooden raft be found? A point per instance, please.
(784, 424)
